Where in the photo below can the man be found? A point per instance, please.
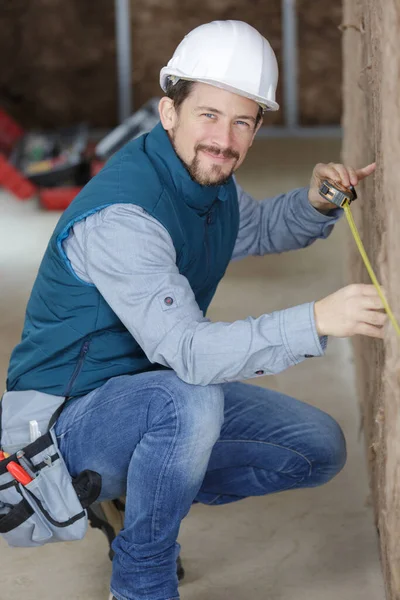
(116, 320)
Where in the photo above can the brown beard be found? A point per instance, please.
(215, 177)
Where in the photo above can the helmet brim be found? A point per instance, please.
(265, 103)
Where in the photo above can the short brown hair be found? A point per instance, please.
(179, 91)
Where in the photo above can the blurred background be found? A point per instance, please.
(60, 56)
(88, 66)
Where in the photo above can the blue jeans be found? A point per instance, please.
(166, 444)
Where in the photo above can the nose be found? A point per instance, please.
(223, 135)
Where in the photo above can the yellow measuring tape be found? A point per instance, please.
(360, 245)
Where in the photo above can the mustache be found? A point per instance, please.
(226, 153)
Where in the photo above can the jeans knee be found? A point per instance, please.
(332, 452)
(198, 411)
(201, 408)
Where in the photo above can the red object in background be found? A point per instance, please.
(10, 177)
(10, 132)
(16, 183)
(95, 166)
(51, 198)
(58, 198)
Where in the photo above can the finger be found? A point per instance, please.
(373, 317)
(322, 170)
(372, 303)
(344, 175)
(365, 171)
(370, 330)
(352, 175)
(367, 289)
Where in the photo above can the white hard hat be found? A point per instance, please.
(228, 54)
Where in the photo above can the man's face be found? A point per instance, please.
(211, 132)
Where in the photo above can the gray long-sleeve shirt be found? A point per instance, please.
(130, 257)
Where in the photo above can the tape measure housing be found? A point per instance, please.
(337, 194)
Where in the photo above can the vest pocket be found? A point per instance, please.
(78, 367)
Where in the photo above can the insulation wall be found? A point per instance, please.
(372, 131)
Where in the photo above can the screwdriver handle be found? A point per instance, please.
(18, 473)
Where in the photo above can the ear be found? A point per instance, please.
(168, 116)
(260, 122)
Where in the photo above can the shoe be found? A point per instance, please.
(180, 571)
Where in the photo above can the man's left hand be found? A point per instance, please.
(336, 173)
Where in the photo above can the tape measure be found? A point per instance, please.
(343, 197)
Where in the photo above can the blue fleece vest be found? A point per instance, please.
(72, 341)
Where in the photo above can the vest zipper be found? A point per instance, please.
(78, 367)
(208, 221)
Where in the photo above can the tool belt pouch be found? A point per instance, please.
(52, 507)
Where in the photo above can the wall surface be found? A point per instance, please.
(372, 131)
(59, 62)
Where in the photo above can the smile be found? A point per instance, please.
(218, 158)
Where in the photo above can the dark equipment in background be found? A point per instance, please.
(55, 165)
(109, 518)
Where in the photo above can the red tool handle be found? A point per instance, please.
(18, 473)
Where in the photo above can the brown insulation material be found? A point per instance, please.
(320, 62)
(59, 56)
(372, 131)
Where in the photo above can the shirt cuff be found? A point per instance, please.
(313, 214)
(324, 342)
(299, 332)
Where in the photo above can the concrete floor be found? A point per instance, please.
(299, 545)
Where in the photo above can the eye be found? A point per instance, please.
(243, 123)
(208, 115)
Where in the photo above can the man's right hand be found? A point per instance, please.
(354, 309)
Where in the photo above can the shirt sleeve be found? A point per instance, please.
(130, 257)
(285, 222)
